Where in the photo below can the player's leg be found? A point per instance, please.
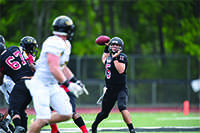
(108, 102)
(18, 101)
(78, 120)
(41, 102)
(122, 106)
(54, 127)
(44, 115)
(59, 101)
(24, 120)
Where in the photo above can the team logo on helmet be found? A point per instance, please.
(63, 25)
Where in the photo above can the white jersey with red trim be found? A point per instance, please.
(57, 46)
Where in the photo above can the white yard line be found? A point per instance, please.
(141, 129)
(106, 121)
(179, 118)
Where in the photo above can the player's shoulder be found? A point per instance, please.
(12, 48)
(123, 55)
(54, 41)
(122, 58)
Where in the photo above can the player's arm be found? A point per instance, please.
(105, 54)
(70, 76)
(1, 78)
(54, 63)
(68, 73)
(118, 65)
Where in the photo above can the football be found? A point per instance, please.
(101, 40)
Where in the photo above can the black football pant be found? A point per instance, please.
(109, 100)
(18, 101)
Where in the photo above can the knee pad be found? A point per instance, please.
(121, 107)
(13, 113)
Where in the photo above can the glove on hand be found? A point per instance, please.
(78, 82)
(76, 89)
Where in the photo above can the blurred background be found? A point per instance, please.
(162, 41)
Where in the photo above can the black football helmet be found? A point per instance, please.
(63, 25)
(2, 47)
(29, 45)
(2, 40)
(116, 41)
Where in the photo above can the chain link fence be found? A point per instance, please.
(152, 80)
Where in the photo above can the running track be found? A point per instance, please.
(131, 109)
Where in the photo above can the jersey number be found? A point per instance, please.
(15, 65)
(108, 72)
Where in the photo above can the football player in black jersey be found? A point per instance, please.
(14, 65)
(115, 79)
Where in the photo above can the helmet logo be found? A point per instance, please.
(69, 22)
(115, 42)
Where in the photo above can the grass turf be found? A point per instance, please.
(169, 119)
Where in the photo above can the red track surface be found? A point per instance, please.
(131, 109)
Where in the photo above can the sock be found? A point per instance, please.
(130, 127)
(54, 128)
(80, 123)
(17, 122)
(84, 129)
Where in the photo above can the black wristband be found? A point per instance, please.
(106, 49)
(73, 79)
(65, 83)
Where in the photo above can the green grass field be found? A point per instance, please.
(168, 119)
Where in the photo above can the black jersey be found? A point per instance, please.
(112, 77)
(13, 64)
